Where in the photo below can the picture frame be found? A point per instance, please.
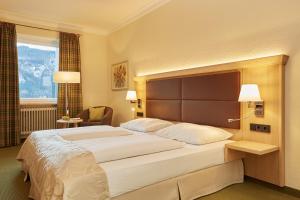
(119, 76)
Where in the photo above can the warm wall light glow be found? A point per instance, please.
(131, 95)
(182, 66)
(249, 93)
(66, 77)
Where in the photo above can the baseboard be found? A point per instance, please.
(285, 189)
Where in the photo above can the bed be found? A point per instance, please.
(171, 169)
(103, 162)
(127, 175)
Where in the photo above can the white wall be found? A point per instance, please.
(193, 33)
(94, 70)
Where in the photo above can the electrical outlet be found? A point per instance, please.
(260, 128)
(140, 114)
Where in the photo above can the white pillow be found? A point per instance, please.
(146, 124)
(194, 134)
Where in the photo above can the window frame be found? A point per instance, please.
(40, 40)
(26, 101)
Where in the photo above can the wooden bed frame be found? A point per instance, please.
(268, 73)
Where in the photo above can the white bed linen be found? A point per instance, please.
(59, 169)
(94, 129)
(133, 173)
(115, 148)
(85, 129)
(146, 124)
(90, 132)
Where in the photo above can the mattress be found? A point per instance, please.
(129, 174)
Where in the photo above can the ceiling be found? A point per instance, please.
(98, 16)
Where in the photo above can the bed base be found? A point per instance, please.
(192, 185)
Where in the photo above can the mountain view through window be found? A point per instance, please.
(36, 67)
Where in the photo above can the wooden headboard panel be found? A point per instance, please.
(208, 99)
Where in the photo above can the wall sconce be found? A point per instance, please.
(250, 93)
(131, 96)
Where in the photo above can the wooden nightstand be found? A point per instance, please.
(239, 149)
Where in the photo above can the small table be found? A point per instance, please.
(239, 149)
(66, 123)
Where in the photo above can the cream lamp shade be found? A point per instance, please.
(131, 95)
(249, 93)
(66, 77)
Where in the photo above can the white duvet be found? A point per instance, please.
(62, 163)
(61, 170)
(88, 132)
(133, 173)
(115, 148)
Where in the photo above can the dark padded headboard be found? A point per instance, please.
(208, 99)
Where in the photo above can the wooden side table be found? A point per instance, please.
(66, 123)
(239, 149)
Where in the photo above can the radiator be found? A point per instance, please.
(37, 117)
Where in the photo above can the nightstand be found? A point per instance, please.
(239, 149)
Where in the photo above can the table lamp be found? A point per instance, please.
(65, 78)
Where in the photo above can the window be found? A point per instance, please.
(37, 63)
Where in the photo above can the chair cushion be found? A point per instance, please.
(96, 114)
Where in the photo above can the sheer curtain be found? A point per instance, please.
(69, 60)
(9, 86)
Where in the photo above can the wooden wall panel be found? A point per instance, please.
(202, 99)
(268, 73)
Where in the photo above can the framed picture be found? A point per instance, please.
(120, 76)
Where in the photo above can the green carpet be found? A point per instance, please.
(12, 186)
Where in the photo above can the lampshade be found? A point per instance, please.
(249, 93)
(131, 95)
(66, 77)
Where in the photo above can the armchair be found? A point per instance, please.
(106, 120)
